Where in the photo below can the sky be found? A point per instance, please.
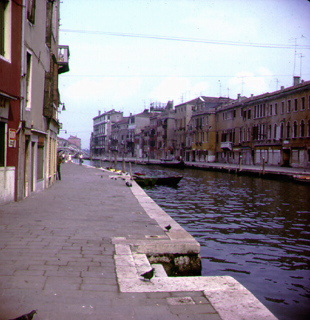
(125, 54)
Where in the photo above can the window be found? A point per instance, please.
(2, 144)
(275, 132)
(264, 110)
(275, 108)
(281, 130)
(269, 132)
(303, 103)
(295, 129)
(282, 107)
(296, 105)
(288, 130)
(288, 106)
(255, 133)
(40, 162)
(5, 29)
(28, 80)
(31, 10)
(302, 128)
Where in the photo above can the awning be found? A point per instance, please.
(7, 96)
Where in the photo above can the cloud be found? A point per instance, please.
(178, 89)
(248, 83)
(113, 89)
(170, 88)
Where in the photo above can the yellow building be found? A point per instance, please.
(201, 134)
(272, 128)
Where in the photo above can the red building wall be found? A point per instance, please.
(10, 73)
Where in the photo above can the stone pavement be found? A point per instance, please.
(67, 252)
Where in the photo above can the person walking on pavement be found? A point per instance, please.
(59, 162)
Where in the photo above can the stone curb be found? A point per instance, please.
(230, 299)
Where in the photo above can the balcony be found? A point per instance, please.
(227, 145)
(63, 59)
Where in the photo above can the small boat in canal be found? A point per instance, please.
(302, 178)
(170, 163)
(150, 181)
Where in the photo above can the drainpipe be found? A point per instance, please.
(19, 181)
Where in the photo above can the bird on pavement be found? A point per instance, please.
(168, 227)
(148, 275)
(128, 184)
(27, 316)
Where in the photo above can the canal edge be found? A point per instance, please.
(229, 297)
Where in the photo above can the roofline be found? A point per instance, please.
(266, 96)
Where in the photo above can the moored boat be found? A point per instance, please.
(169, 180)
(302, 178)
(145, 181)
(149, 181)
(172, 163)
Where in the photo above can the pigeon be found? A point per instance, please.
(148, 275)
(27, 316)
(128, 184)
(168, 227)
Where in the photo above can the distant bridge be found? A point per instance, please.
(73, 151)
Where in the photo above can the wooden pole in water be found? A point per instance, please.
(115, 160)
(130, 170)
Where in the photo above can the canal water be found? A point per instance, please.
(255, 230)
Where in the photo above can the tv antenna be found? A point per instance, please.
(300, 57)
(277, 83)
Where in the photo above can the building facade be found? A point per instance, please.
(10, 99)
(119, 137)
(271, 128)
(30, 143)
(201, 132)
(76, 141)
(102, 130)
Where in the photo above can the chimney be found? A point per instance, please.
(252, 95)
(99, 112)
(239, 97)
(282, 87)
(296, 80)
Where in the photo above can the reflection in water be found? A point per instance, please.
(252, 229)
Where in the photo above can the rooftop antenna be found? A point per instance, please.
(242, 84)
(295, 53)
(301, 56)
(182, 98)
(220, 85)
(277, 83)
(227, 92)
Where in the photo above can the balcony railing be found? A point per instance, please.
(226, 145)
(63, 59)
